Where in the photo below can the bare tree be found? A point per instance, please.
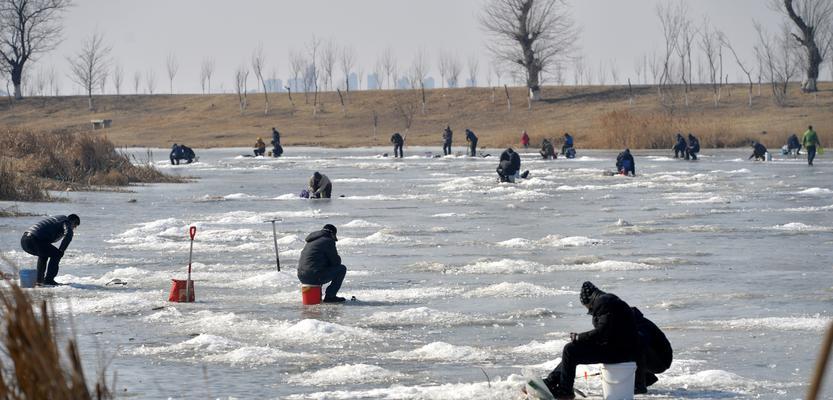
(454, 69)
(778, 61)
(638, 68)
(118, 77)
(329, 54)
(473, 68)
(137, 80)
(28, 28)
(102, 84)
(312, 71)
(530, 34)
(258, 61)
(712, 48)
(389, 66)
(670, 17)
(54, 83)
(379, 72)
(602, 73)
(578, 70)
(150, 81)
(241, 77)
(89, 65)
(443, 66)
(614, 72)
(747, 70)
(347, 59)
(814, 20)
(172, 66)
(359, 76)
(419, 72)
(296, 68)
(208, 70)
(687, 36)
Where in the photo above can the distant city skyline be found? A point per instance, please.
(615, 35)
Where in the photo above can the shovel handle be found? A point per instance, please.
(192, 232)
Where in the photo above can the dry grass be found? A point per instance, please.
(14, 211)
(215, 121)
(32, 162)
(33, 367)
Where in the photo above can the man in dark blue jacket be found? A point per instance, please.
(568, 143)
(758, 151)
(320, 263)
(448, 134)
(38, 240)
(680, 146)
(613, 339)
(472, 139)
(397, 141)
(693, 147)
(277, 149)
(625, 164)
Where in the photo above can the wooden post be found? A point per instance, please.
(341, 98)
(508, 101)
(821, 365)
(630, 91)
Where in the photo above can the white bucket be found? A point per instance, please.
(617, 381)
(28, 277)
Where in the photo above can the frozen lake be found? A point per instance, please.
(460, 277)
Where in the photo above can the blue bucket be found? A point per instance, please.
(28, 277)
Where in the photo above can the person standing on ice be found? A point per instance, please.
(472, 139)
(397, 141)
(758, 151)
(625, 164)
(680, 146)
(447, 136)
(525, 140)
(277, 149)
(320, 263)
(612, 340)
(693, 147)
(811, 140)
(655, 353)
(38, 240)
(320, 186)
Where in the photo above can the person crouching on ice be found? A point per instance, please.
(612, 340)
(320, 263)
(320, 186)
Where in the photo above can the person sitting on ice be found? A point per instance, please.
(693, 147)
(655, 353)
(547, 150)
(509, 165)
(320, 186)
(260, 147)
(680, 146)
(793, 145)
(568, 144)
(625, 164)
(320, 263)
(612, 340)
(758, 151)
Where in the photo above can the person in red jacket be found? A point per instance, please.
(525, 140)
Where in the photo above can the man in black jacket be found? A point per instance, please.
(277, 149)
(447, 136)
(625, 164)
(613, 339)
(509, 165)
(655, 353)
(397, 141)
(680, 146)
(693, 147)
(758, 151)
(472, 139)
(320, 263)
(38, 240)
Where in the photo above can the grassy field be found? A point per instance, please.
(599, 117)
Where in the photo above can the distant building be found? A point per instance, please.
(373, 82)
(353, 79)
(296, 85)
(274, 85)
(471, 82)
(429, 83)
(403, 83)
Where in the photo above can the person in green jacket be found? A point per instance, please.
(810, 141)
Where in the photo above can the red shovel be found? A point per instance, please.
(188, 284)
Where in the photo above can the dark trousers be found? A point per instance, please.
(326, 193)
(44, 251)
(576, 353)
(679, 152)
(564, 148)
(397, 147)
(690, 154)
(333, 275)
(811, 154)
(472, 148)
(174, 160)
(259, 152)
(447, 148)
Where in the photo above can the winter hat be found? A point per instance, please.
(587, 291)
(332, 229)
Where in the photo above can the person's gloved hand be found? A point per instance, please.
(573, 336)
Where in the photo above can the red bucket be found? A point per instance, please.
(178, 291)
(311, 294)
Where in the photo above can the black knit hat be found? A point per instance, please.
(332, 229)
(587, 291)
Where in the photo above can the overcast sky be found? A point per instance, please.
(142, 33)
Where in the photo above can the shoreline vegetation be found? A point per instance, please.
(598, 117)
(34, 163)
